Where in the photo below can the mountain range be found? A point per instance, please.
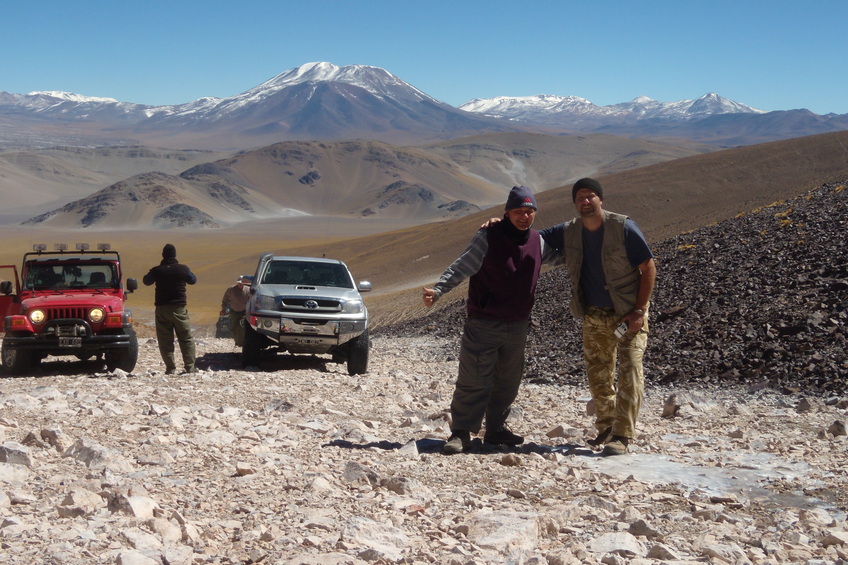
(327, 102)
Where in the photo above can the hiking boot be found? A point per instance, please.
(459, 441)
(502, 436)
(171, 371)
(616, 446)
(601, 439)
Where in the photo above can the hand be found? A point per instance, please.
(635, 321)
(429, 296)
(490, 222)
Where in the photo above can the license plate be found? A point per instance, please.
(307, 341)
(70, 342)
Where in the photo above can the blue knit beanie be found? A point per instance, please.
(520, 196)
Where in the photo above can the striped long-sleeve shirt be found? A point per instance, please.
(467, 264)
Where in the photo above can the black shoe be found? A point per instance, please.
(502, 436)
(601, 439)
(459, 441)
(616, 446)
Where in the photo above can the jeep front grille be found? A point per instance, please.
(74, 312)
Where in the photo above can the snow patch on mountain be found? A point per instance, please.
(531, 108)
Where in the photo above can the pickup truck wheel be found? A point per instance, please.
(124, 359)
(251, 348)
(16, 361)
(357, 356)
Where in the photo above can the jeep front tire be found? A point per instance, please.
(126, 358)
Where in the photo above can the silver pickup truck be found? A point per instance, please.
(306, 305)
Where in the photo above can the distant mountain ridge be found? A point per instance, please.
(557, 110)
(323, 101)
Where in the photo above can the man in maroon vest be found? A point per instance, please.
(503, 263)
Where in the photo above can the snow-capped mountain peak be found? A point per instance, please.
(376, 80)
(70, 96)
(552, 109)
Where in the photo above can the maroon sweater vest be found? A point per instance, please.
(504, 287)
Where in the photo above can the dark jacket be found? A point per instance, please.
(170, 278)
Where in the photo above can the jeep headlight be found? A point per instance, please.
(96, 315)
(266, 302)
(37, 316)
(353, 307)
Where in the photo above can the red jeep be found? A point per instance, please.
(68, 303)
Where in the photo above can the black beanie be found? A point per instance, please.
(520, 196)
(591, 184)
(169, 251)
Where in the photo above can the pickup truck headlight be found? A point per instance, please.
(37, 316)
(266, 302)
(353, 307)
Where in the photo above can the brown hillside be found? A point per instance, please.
(665, 199)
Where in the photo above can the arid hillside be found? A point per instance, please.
(344, 179)
(34, 181)
(665, 199)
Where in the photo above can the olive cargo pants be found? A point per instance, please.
(170, 320)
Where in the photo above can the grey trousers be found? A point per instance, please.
(491, 364)
(170, 320)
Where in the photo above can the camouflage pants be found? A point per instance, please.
(172, 320)
(617, 405)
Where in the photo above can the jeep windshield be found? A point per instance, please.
(307, 273)
(56, 275)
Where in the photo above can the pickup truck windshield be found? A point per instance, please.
(306, 273)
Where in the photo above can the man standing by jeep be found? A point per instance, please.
(235, 299)
(171, 279)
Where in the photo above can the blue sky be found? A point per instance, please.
(773, 55)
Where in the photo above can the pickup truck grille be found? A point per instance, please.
(310, 304)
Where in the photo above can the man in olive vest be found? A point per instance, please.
(171, 277)
(612, 274)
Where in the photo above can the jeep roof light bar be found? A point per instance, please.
(62, 247)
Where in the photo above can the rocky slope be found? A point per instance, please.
(758, 300)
